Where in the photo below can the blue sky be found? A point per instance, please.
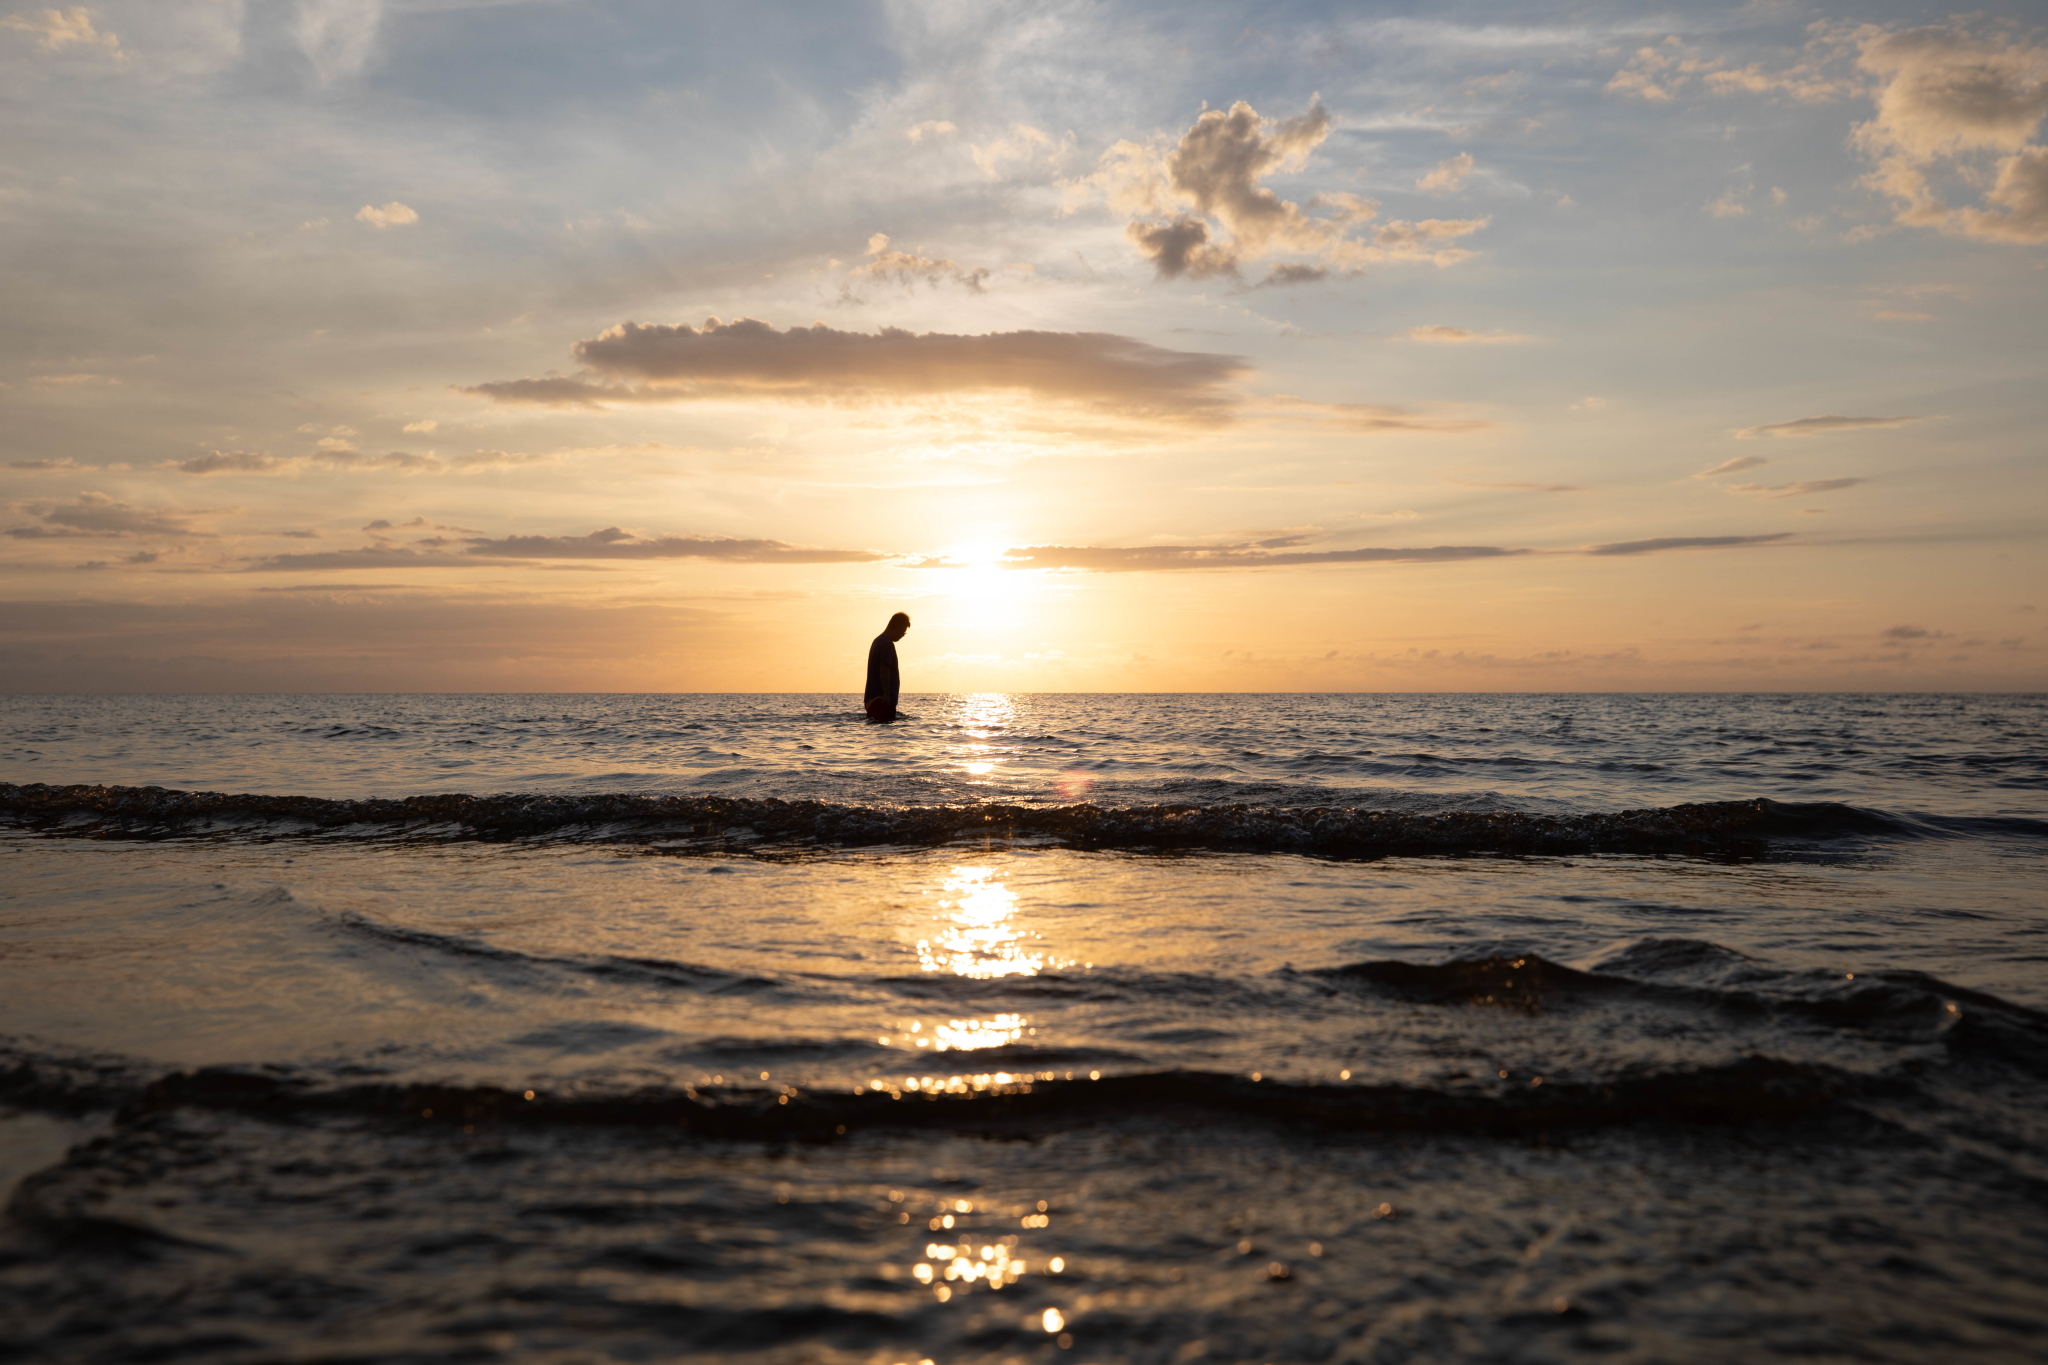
(1126, 346)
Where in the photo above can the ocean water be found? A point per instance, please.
(1037, 1028)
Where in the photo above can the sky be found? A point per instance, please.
(636, 345)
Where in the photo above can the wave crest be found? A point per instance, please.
(1712, 827)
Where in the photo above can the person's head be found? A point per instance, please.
(899, 624)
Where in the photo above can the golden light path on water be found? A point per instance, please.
(984, 716)
(978, 936)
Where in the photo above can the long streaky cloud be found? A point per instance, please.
(1525, 487)
(1734, 466)
(749, 359)
(1804, 488)
(1820, 426)
(1141, 558)
(613, 543)
(1644, 547)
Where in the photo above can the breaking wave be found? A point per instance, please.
(1709, 828)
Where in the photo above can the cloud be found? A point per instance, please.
(1023, 144)
(336, 35)
(1644, 547)
(351, 458)
(1292, 272)
(96, 514)
(58, 466)
(1458, 336)
(337, 454)
(497, 459)
(72, 381)
(1199, 210)
(1448, 176)
(419, 524)
(393, 214)
(1370, 416)
(746, 359)
(57, 29)
(930, 128)
(1820, 426)
(229, 462)
(1794, 490)
(1736, 465)
(426, 426)
(1729, 205)
(1148, 558)
(368, 557)
(1947, 99)
(1913, 633)
(1528, 487)
(613, 543)
(907, 268)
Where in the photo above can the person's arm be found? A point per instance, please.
(878, 681)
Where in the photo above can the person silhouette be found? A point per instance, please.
(884, 683)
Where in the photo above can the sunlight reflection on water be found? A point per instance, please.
(978, 935)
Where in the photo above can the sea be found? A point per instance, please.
(1041, 1028)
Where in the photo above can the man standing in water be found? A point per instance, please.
(884, 683)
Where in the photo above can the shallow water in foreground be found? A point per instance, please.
(1164, 1083)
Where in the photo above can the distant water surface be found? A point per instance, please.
(1034, 1027)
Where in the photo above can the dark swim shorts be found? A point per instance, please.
(879, 708)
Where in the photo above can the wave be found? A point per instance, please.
(1708, 828)
(1700, 978)
(1749, 1089)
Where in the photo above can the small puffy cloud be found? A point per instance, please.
(930, 128)
(1024, 143)
(426, 426)
(613, 543)
(1734, 466)
(1729, 205)
(1200, 211)
(1946, 100)
(393, 214)
(96, 514)
(1644, 547)
(907, 268)
(1804, 488)
(1821, 426)
(58, 29)
(1913, 633)
(1458, 336)
(1423, 240)
(635, 363)
(1652, 73)
(337, 445)
(1152, 558)
(1448, 176)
